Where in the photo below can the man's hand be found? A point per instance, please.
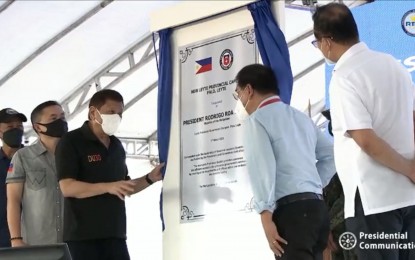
(18, 242)
(274, 240)
(411, 175)
(382, 152)
(331, 244)
(120, 188)
(155, 175)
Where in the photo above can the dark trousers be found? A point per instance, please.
(4, 236)
(305, 226)
(99, 249)
(392, 222)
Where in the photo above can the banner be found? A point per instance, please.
(386, 26)
(214, 176)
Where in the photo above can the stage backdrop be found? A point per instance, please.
(214, 177)
(386, 26)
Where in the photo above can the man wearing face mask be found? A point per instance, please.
(34, 199)
(289, 162)
(11, 134)
(372, 111)
(94, 179)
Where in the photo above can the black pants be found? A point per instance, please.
(392, 222)
(305, 226)
(4, 236)
(99, 249)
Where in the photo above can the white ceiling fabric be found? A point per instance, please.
(27, 25)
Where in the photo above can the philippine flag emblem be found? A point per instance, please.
(203, 65)
(10, 169)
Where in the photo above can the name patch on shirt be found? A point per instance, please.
(94, 158)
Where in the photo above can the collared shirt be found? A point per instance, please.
(42, 207)
(371, 90)
(286, 154)
(4, 229)
(80, 155)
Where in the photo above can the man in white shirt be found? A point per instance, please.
(372, 115)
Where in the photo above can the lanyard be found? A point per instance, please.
(270, 101)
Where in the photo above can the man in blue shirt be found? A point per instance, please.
(289, 162)
(11, 134)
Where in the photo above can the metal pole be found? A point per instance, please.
(56, 38)
(6, 5)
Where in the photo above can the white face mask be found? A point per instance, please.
(240, 110)
(110, 123)
(328, 61)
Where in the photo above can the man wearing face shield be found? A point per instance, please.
(34, 199)
(289, 162)
(11, 134)
(94, 180)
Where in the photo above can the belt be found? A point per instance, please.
(299, 196)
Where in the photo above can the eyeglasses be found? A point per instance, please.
(315, 43)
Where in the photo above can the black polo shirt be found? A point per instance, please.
(81, 156)
(4, 229)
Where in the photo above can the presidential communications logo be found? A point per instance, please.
(376, 241)
(226, 59)
(408, 22)
(347, 241)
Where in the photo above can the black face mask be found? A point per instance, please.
(56, 128)
(13, 137)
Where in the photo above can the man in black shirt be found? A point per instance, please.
(94, 180)
(11, 134)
